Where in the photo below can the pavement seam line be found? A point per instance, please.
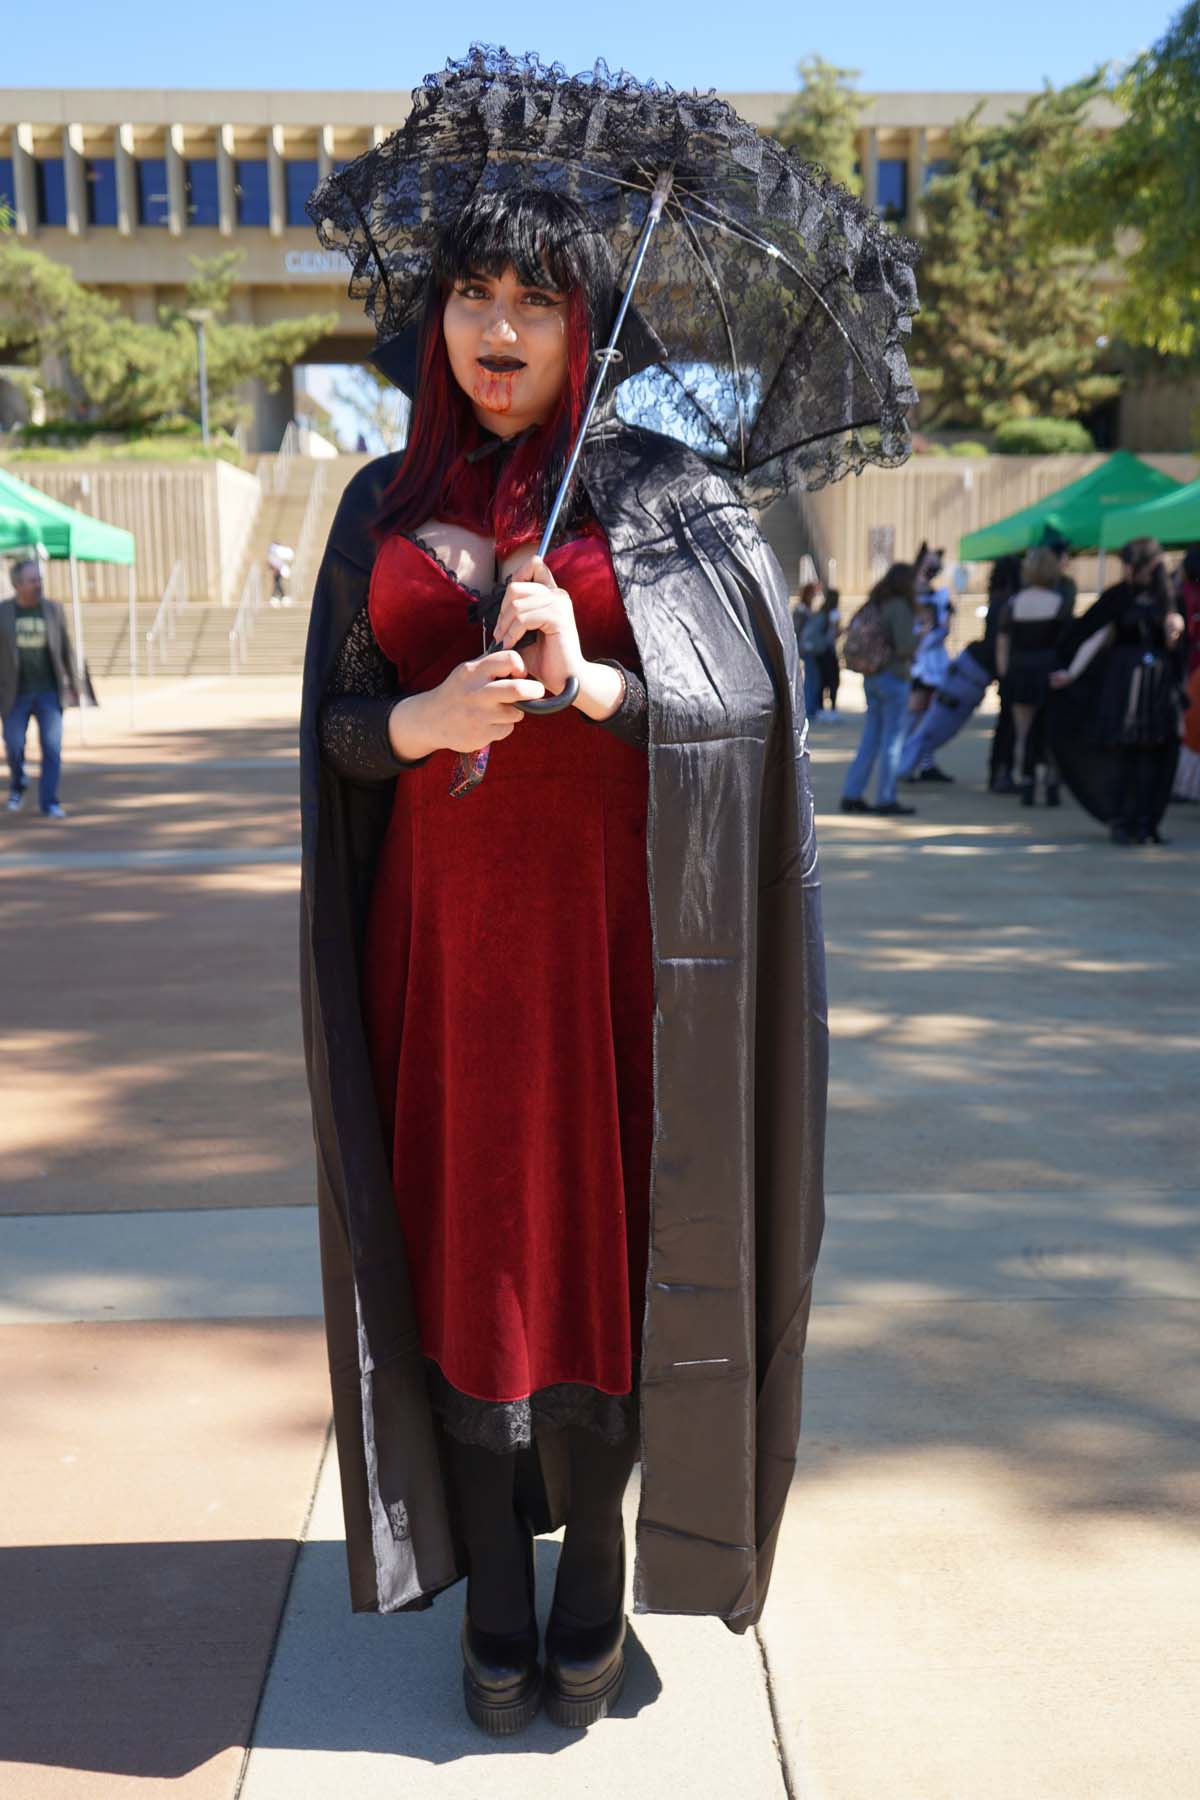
(785, 1773)
(302, 1539)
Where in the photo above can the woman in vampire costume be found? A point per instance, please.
(562, 958)
(566, 1032)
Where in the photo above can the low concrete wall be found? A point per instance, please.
(201, 513)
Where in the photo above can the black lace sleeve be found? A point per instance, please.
(353, 722)
(631, 721)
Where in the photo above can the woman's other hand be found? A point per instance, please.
(475, 705)
(533, 602)
(1061, 678)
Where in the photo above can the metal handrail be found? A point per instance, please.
(289, 446)
(243, 620)
(308, 524)
(174, 600)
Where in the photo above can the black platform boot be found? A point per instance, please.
(502, 1680)
(585, 1664)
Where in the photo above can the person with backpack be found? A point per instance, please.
(812, 632)
(878, 646)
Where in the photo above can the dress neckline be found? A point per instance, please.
(423, 544)
(435, 557)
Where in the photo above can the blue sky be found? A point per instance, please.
(924, 45)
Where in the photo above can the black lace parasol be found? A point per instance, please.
(781, 303)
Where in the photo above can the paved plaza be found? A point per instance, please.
(988, 1586)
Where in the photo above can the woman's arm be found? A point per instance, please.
(1003, 645)
(1087, 651)
(630, 717)
(367, 730)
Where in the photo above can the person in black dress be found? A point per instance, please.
(1004, 578)
(1136, 639)
(1026, 657)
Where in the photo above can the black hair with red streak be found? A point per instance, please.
(550, 242)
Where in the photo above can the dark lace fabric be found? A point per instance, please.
(503, 1425)
(363, 689)
(778, 304)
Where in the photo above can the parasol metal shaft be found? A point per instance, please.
(610, 354)
(658, 200)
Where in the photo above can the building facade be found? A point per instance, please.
(125, 186)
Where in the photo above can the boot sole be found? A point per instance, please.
(500, 1718)
(565, 1709)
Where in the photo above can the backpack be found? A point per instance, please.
(867, 647)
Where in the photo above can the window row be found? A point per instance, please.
(251, 189)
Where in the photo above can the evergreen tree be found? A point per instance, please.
(1136, 192)
(100, 367)
(821, 123)
(1009, 319)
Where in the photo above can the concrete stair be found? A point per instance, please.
(275, 645)
(201, 644)
(281, 517)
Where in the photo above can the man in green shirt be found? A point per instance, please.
(37, 679)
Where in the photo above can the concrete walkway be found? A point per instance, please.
(987, 1584)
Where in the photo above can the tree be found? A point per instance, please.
(380, 409)
(100, 367)
(1136, 192)
(821, 123)
(1009, 320)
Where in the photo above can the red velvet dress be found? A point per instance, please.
(509, 1001)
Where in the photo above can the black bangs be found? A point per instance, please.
(548, 239)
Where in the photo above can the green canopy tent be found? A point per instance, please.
(1078, 510)
(31, 520)
(1172, 519)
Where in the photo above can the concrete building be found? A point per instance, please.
(124, 186)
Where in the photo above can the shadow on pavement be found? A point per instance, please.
(146, 1660)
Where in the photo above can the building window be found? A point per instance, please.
(100, 174)
(892, 194)
(201, 199)
(252, 191)
(8, 187)
(51, 178)
(941, 165)
(154, 206)
(301, 180)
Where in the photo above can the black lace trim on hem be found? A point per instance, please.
(505, 1425)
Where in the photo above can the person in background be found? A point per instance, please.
(37, 679)
(811, 629)
(1066, 584)
(887, 699)
(279, 561)
(931, 659)
(1137, 631)
(1187, 600)
(1026, 657)
(1004, 579)
(831, 668)
(1187, 603)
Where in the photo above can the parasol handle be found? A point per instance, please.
(553, 702)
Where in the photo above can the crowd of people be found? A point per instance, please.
(1107, 703)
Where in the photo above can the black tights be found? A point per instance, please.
(587, 1590)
